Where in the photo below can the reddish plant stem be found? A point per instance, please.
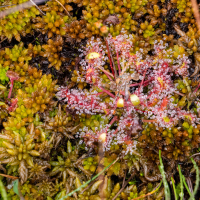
(119, 68)
(179, 93)
(140, 110)
(121, 92)
(99, 93)
(115, 131)
(108, 76)
(106, 91)
(11, 87)
(113, 65)
(142, 103)
(110, 58)
(134, 84)
(145, 83)
(143, 79)
(106, 73)
(113, 120)
(149, 120)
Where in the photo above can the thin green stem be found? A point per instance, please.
(166, 186)
(181, 183)
(186, 186)
(174, 187)
(197, 180)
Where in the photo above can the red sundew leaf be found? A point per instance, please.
(149, 120)
(164, 103)
(155, 101)
(128, 142)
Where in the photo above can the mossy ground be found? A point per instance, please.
(73, 75)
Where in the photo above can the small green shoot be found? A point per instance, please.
(3, 77)
(37, 41)
(166, 186)
(179, 189)
(133, 182)
(15, 186)
(3, 191)
(174, 187)
(181, 194)
(186, 186)
(197, 180)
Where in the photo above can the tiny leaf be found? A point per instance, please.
(15, 187)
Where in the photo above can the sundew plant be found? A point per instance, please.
(131, 89)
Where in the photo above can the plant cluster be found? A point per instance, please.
(51, 23)
(52, 49)
(16, 24)
(153, 98)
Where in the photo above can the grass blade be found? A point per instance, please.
(186, 186)
(15, 187)
(166, 186)
(181, 182)
(3, 191)
(174, 187)
(197, 180)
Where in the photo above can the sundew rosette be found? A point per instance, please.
(125, 85)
